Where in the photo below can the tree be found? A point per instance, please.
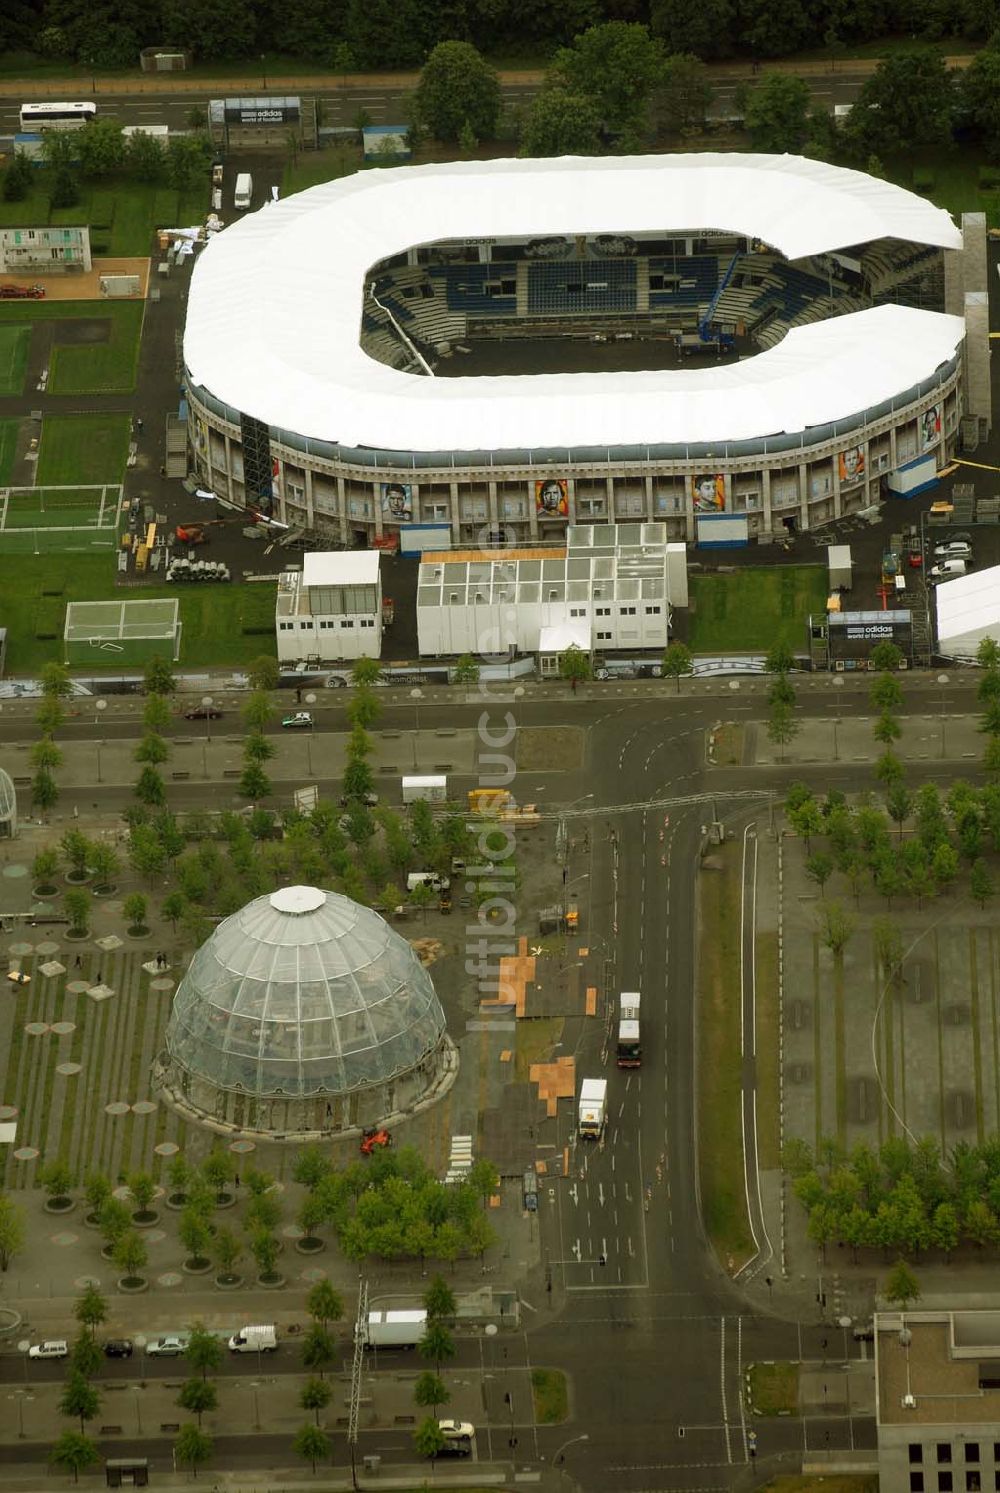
(835, 927)
(944, 865)
(105, 865)
(324, 1303)
(142, 1186)
(782, 727)
(988, 651)
(204, 1350)
(134, 909)
(781, 691)
(227, 1250)
(130, 1254)
(195, 1234)
(886, 657)
(428, 1438)
(887, 729)
(44, 867)
(219, 1169)
(18, 179)
(65, 192)
(77, 850)
(899, 804)
(155, 714)
(265, 1248)
(430, 1391)
(318, 1349)
(45, 754)
(75, 1453)
(197, 1396)
(359, 780)
(574, 665)
(981, 882)
(886, 692)
(439, 1301)
(677, 660)
(364, 709)
(158, 677)
(889, 769)
(312, 1444)
(263, 673)
(618, 65)
(152, 749)
(192, 1447)
(366, 671)
(80, 1399)
(560, 123)
(458, 88)
(437, 1343)
(44, 790)
(310, 1167)
(484, 1179)
(12, 1231)
(188, 159)
(257, 710)
(819, 868)
(777, 113)
(56, 1179)
(901, 1286)
(807, 820)
(115, 1220)
(254, 782)
(315, 1395)
(466, 670)
(906, 104)
(258, 749)
(101, 147)
(91, 1309)
(888, 943)
(174, 907)
(145, 157)
(685, 94)
(86, 1355)
(56, 681)
(150, 788)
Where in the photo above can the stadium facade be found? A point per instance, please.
(826, 329)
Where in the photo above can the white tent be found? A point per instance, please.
(968, 610)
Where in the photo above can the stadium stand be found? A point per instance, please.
(580, 287)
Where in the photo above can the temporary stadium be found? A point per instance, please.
(757, 341)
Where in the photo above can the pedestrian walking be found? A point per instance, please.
(78, 961)
(138, 425)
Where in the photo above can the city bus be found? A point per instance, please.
(629, 1045)
(56, 116)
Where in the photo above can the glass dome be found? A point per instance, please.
(303, 992)
(8, 806)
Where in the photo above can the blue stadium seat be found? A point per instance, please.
(582, 285)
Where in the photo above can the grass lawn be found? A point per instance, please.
(753, 607)
(123, 214)
(314, 166)
(107, 367)
(548, 1388)
(774, 1388)
(533, 1043)
(210, 616)
(79, 449)
(14, 342)
(8, 443)
(837, 1483)
(720, 1135)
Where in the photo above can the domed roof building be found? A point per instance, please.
(304, 1014)
(8, 806)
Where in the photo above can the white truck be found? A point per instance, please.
(243, 194)
(429, 790)
(398, 1329)
(593, 1113)
(259, 1339)
(629, 1053)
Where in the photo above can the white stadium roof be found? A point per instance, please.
(968, 610)
(275, 306)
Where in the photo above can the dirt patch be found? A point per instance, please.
(87, 287)
(427, 950)
(725, 745)
(550, 748)
(85, 330)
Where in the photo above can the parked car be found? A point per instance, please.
(299, 719)
(370, 800)
(947, 570)
(955, 549)
(203, 713)
(457, 1430)
(51, 1348)
(118, 1347)
(864, 1333)
(461, 1446)
(166, 1347)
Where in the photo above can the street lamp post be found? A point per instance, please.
(838, 684)
(560, 1455)
(310, 701)
(942, 680)
(99, 707)
(416, 696)
(206, 704)
(509, 1402)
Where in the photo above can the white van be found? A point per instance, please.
(254, 1340)
(947, 570)
(430, 878)
(244, 191)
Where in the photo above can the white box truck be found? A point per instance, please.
(629, 1053)
(244, 191)
(259, 1339)
(399, 1329)
(838, 560)
(425, 790)
(593, 1112)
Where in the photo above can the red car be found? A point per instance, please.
(21, 292)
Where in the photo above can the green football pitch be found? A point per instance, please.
(14, 343)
